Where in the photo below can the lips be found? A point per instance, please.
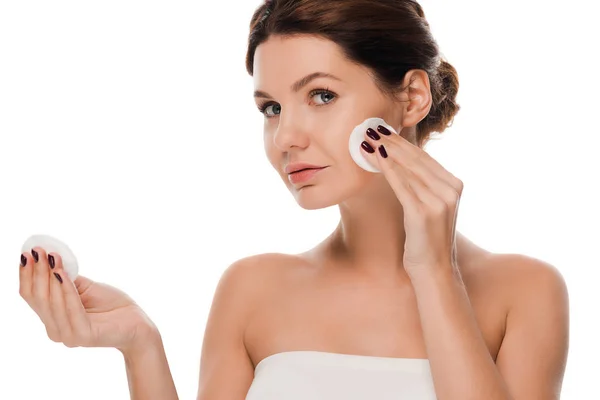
(299, 166)
(304, 169)
(304, 175)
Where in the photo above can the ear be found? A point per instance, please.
(416, 97)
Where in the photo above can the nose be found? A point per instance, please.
(290, 133)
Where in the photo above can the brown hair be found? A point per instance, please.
(390, 37)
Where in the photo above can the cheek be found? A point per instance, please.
(334, 131)
(347, 116)
(337, 144)
(270, 150)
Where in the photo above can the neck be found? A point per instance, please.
(370, 236)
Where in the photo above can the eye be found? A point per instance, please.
(270, 109)
(324, 95)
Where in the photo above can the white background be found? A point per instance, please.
(128, 130)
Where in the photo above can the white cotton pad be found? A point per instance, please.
(52, 245)
(358, 136)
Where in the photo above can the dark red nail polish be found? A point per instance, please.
(372, 134)
(51, 261)
(367, 147)
(23, 260)
(35, 255)
(58, 277)
(384, 130)
(382, 151)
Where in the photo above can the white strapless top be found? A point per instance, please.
(316, 375)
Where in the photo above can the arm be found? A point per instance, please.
(532, 358)
(534, 351)
(148, 372)
(226, 370)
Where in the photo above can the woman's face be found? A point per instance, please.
(310, 120)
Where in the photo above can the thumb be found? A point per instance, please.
(82, 283)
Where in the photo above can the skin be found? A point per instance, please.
(506, 322)
(84, 313)
(351, 293)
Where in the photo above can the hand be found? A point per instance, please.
(429, 195)
(81, 313)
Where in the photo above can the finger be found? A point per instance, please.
(434, 205)
(403, 180)
(58, 308)
(404, 153)
(394, 175)
(411, 152)
(439, 199)
(26, 277)
(76, 314)
(82, 284)
(41, 291)
(421, 190)
(414, 161)
(41, 272)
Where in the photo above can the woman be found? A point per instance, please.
(394, 304)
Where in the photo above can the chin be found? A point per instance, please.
(318, 196)
(313, 197)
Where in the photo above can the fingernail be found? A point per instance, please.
(367, 147)
(372, 134)
(51, 261)
(58, 277)
(382, 151)
(35, 255)
(23, 260)
(384, 130)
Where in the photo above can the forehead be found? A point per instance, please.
(285, 59)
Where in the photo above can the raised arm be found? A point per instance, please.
(85, 313)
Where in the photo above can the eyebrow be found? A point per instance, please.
(299, 84)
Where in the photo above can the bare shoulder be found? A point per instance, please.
(543, 289)
(226, 368)
(516, 281)
(536, 339)
(255, 277)
(255, 269)
(524, 276)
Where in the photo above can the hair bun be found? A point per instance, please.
(445, 89)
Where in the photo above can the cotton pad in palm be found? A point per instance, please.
(358, 136)
(53, 245)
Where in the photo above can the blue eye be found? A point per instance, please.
(276, 109)
(271, 109)
(322, 94)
